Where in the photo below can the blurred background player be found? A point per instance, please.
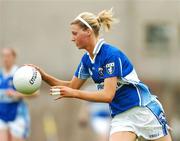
(97, 114)
(14, 114)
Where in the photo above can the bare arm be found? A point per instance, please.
(75, 83)
(18, 95)
(106, 95)
(52, 81)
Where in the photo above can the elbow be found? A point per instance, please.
(108, 99)
(69, 84)
(108, 96)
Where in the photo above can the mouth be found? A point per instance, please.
(77, 45)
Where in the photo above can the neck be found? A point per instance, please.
(7, 69)
(91, 46)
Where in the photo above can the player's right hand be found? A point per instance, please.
(41, 71)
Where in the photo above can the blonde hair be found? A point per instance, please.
(88, 20)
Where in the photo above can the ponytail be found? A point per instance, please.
(105, 19)
(87, 20)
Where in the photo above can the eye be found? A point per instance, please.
(74, 33)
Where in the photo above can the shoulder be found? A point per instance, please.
(110, 50)
(14, 68)
(85, 58)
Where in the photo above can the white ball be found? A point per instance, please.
(27, 80)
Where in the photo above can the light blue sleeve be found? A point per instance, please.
(82, 71)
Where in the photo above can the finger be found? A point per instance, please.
(54, 90)
(60, 97)
(57, 87)
(32, 65)
(55, 93)
(28, 65)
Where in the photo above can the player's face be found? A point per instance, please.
(7, 58)
(79, 36)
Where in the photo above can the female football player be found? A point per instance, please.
(134, 110)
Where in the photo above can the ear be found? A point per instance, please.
(89, 32)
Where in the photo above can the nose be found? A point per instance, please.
(72, 39)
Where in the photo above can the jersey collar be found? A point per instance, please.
(12, 71)
(97, 48)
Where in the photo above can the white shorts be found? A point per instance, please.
(148, 122)
(21, 125)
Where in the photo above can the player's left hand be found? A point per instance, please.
(11, 92)
(14, 94)
(64, 92)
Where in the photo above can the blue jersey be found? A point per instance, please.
(108, 62)
(8, 105)
(6, 82)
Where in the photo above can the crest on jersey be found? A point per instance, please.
(110, 67)
(100, 71)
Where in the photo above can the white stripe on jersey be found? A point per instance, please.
(138, 94)
(80, 69)
(132, 77)
(120, 66)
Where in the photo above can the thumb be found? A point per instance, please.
(60, 97)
